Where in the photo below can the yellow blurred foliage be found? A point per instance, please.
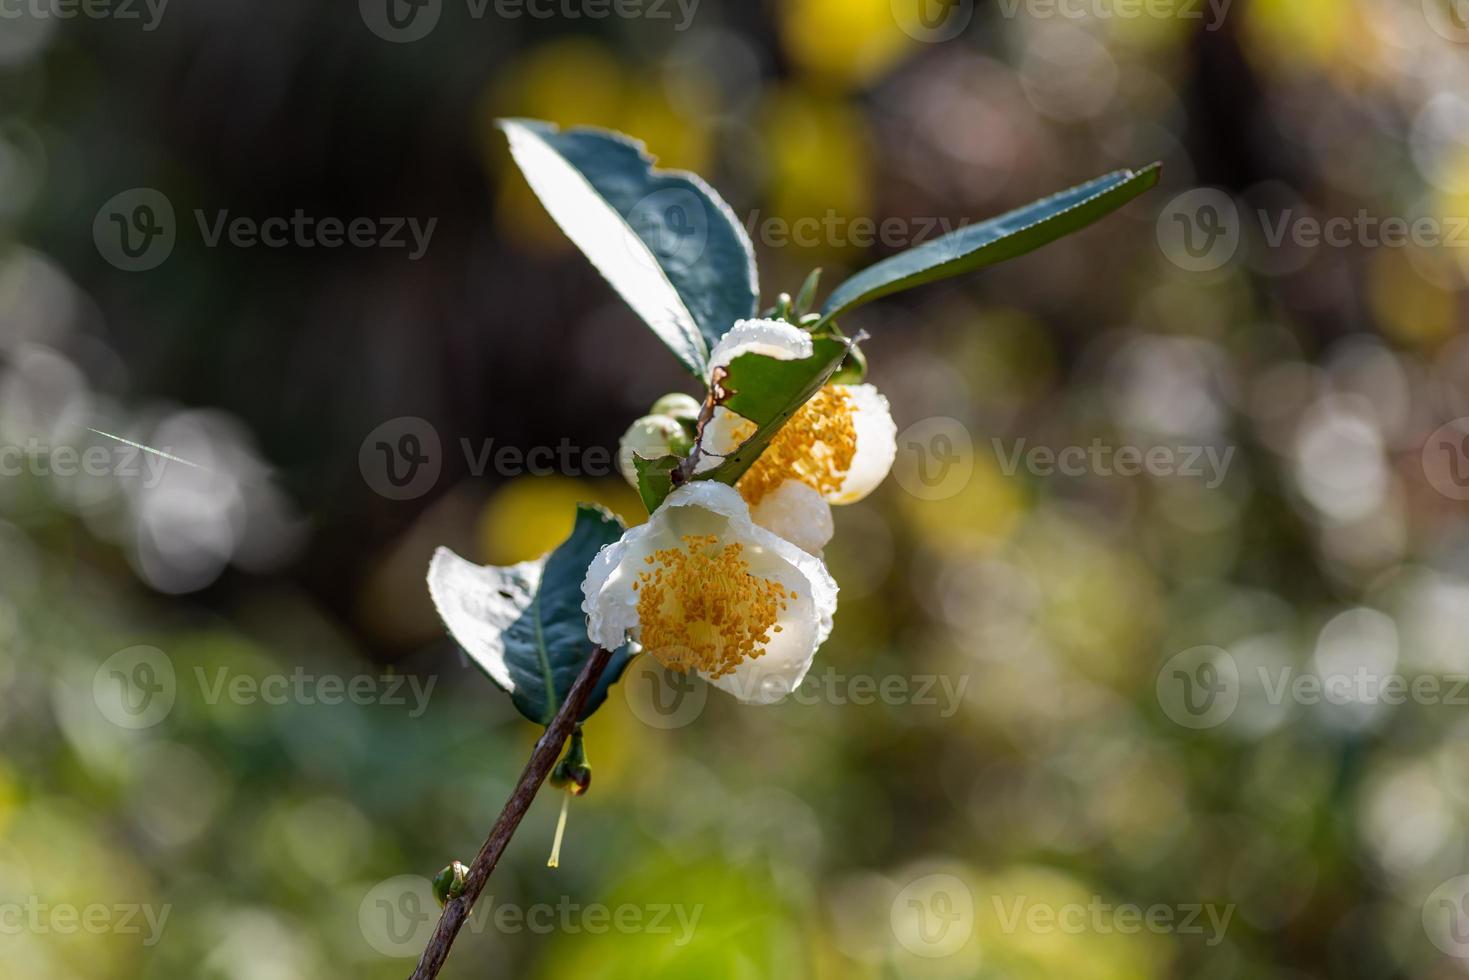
(1288, 37)
(1410, 308)
(819, 171)
(533, 514)
(847, 42)
(980, 517)
(9, 796)
(578, 81)
(1018, 898)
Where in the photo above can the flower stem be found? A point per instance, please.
(542, 759)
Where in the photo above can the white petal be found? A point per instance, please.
(797, 513)
(877, 444)
(723, 434)
(773, 338)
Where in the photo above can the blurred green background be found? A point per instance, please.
(1000, 722)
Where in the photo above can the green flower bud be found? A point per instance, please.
(449, 883)
(573, 773)
(574, 777)
(650, 437)
(684, 408)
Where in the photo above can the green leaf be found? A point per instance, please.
(655, 478)
(807, 296)
(523, 624)
(768, 391)
(989, 242)
(664, 239)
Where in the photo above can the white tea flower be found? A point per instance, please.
(702, 587)
(839, 446)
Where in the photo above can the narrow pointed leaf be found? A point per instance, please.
(523, 624)
(989, 242)
(806, 298)
(664, 240)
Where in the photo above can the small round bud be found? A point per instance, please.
(449, 883)
(573, 776)
(650, 437)
(684, 408)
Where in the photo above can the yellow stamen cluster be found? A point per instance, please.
(700, 608)
(816, 447)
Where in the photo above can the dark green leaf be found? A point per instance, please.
(523, 624)
(664, 239)
(976, 246)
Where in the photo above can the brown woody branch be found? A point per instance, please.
(542, 759)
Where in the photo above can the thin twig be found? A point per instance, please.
(547, 751)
